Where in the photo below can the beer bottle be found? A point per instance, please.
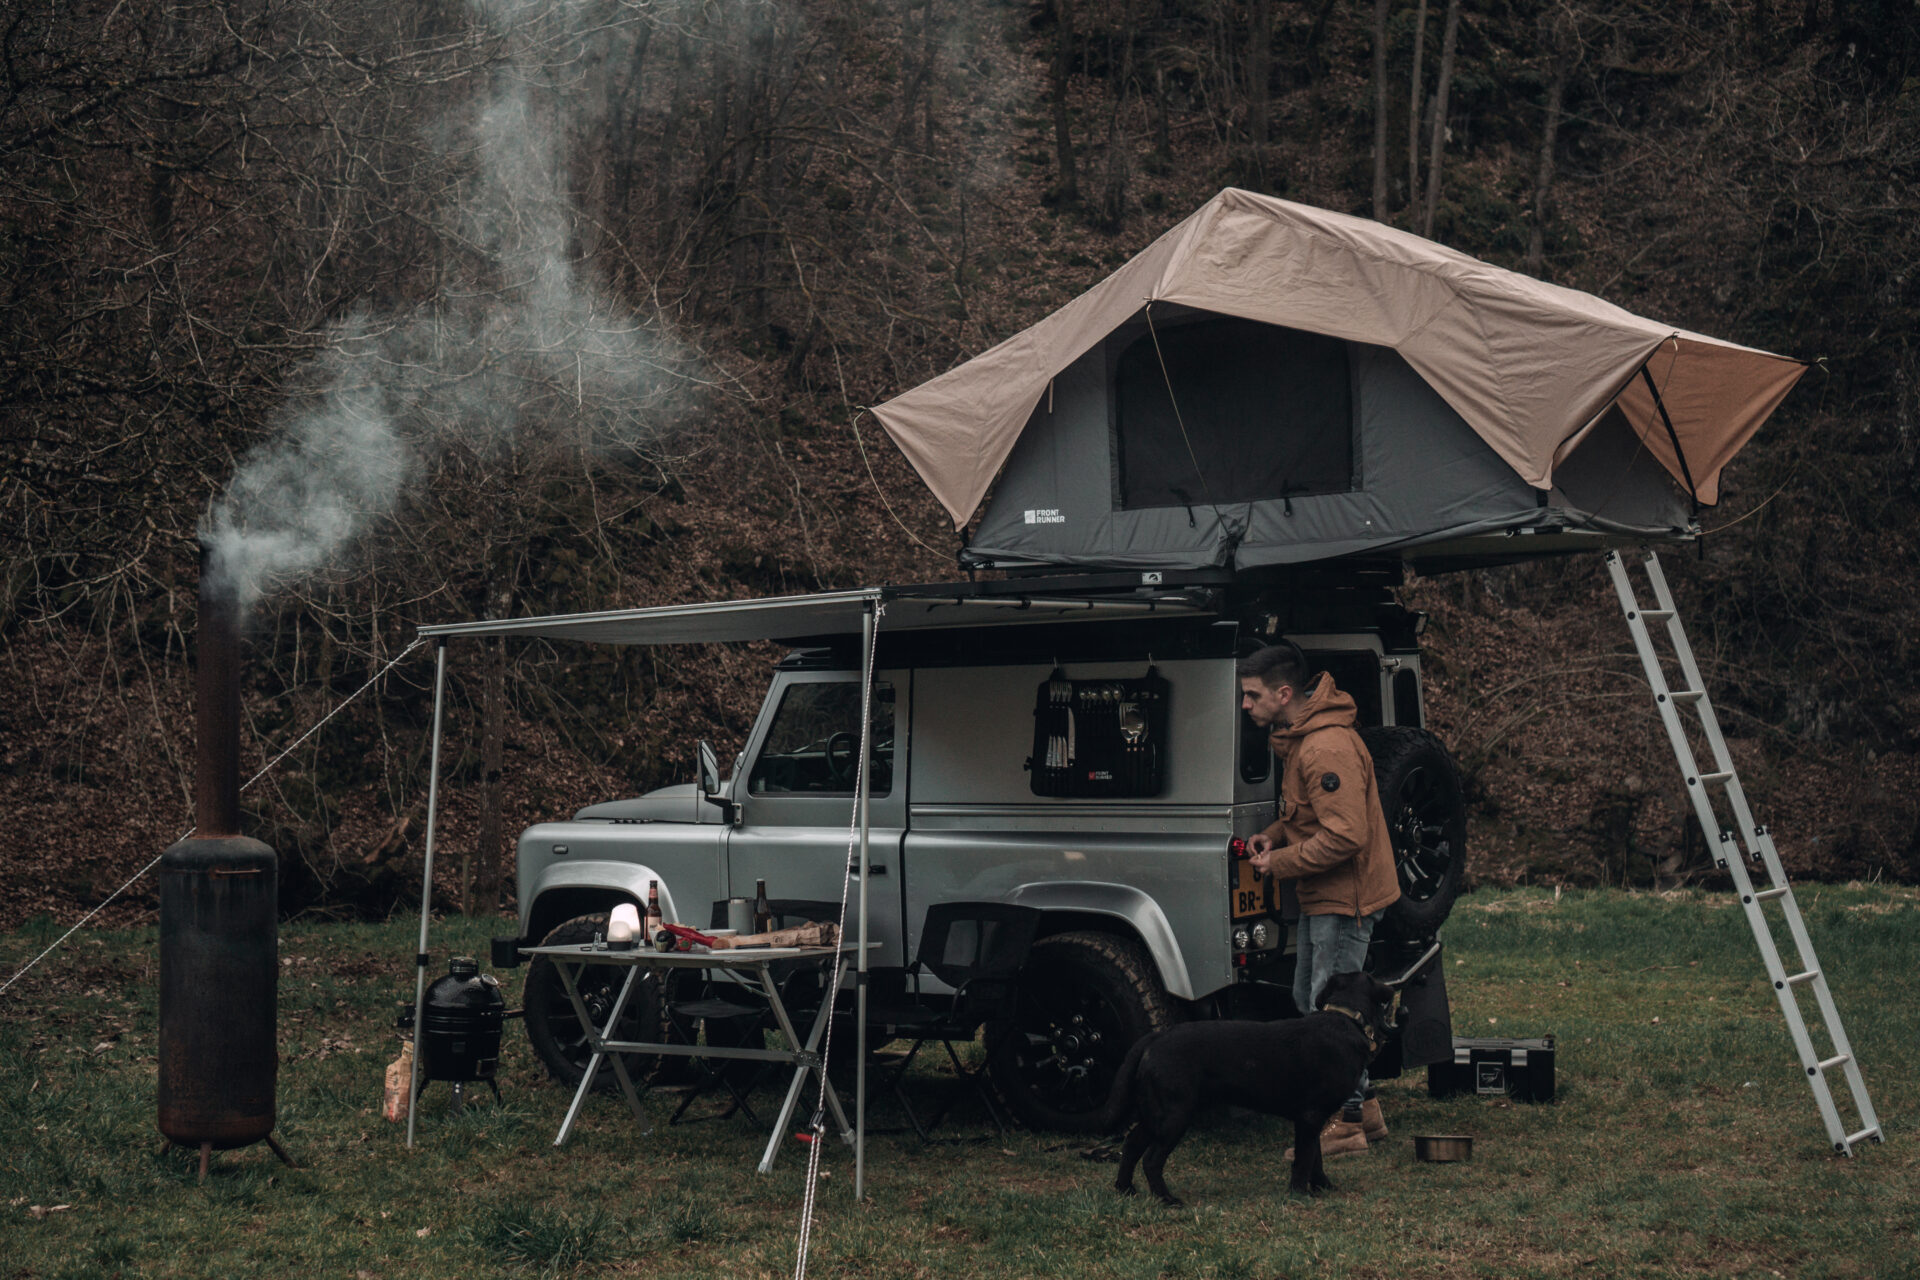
(762, 909)
(650, 928)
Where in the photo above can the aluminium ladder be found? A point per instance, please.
(1755, 844)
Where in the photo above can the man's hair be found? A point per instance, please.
(1275, 665)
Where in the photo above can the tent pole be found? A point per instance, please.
(860, 983)
(426, 880)
(1673, 436)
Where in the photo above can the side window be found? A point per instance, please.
(813, 746)
(1256, 753)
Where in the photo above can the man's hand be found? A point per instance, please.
(1261, 851)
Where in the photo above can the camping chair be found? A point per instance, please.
(977, 948)
(733, 1014)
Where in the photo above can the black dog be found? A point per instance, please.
(1301, 1069)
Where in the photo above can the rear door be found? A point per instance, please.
(796, 797)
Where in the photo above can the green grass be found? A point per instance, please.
(1684, 1141)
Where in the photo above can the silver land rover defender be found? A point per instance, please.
(1074, 745)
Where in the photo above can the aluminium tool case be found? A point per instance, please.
(1520, 1069)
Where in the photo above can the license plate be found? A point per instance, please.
(1249, 891)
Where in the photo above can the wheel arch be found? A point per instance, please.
(588, 887)
(1119, 909)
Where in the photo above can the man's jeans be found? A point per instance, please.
(1330, 945)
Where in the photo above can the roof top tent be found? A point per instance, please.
(1271, 384)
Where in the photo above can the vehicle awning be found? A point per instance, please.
(813, 616)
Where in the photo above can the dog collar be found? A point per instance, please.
(1366, 1028)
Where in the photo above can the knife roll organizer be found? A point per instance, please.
(1099, 738)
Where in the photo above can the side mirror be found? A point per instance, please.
(709, 784)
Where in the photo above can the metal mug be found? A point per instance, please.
(740, 915)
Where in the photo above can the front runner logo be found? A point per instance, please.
(1045, 515)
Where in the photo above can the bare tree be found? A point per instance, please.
(1068, 187)
(1416, 94)
(1563, 39)
(1380, 9)
(1435, 150)
(1259, 74)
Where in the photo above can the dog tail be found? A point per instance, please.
(1120, 1101)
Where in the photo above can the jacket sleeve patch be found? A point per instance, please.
(1329, 782)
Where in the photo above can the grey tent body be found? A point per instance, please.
(1269, 383)
(1420, 486)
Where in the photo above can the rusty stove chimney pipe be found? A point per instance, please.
(216, 783)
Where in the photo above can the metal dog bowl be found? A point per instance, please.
(1442, 1148)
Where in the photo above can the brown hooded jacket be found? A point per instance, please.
(1331, 836)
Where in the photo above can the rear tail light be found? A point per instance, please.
(1237, 847)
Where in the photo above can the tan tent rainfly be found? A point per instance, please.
(1529, 366)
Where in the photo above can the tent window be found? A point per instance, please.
(1268, 410)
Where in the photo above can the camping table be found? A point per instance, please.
(748, 966)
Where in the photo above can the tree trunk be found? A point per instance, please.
(1068, 190)
(1380, 8)
(1416, 95)
(1435, 149)
(1311, 50)
(1259, 74)
(1543, 184)
(1113, 199)
(1162, 110)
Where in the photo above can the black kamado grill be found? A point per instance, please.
(459, 1038)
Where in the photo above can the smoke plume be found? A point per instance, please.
(521, 349)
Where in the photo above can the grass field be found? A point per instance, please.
(1684, 1141)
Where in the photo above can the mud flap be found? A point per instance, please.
(1423, 1031)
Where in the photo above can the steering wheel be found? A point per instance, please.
(843, 749)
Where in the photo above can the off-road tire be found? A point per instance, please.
(1082, 1001)
(554, 1029)
(1426, 811)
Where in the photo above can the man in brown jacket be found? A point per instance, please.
(1331, 839)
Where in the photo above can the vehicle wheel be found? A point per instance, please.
(1426, 811)
(554, 1028)
(1082, 1001)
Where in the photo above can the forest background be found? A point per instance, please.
(456, 310)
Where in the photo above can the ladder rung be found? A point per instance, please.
(1800, 979)
(1766, 894)
(1863, 1135)
(1688, 695)
(1837, 1060)
(1711, 778)
(1656, 615)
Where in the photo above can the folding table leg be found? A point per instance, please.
(619, 1061)
(597, 1039)
(803, 1067)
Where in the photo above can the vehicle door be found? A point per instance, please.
(796, 797)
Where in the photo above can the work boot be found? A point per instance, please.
(1372, 1123)
(1341, 1137)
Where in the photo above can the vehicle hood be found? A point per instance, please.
(679, 803)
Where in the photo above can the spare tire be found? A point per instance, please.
(1426, 811)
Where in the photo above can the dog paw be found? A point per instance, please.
(1124, 1188)
(1173, 1202)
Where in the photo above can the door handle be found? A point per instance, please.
(874, 868)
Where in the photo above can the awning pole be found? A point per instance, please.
(426, 880)
(860, 983)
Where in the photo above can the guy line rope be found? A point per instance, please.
(264, 771)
